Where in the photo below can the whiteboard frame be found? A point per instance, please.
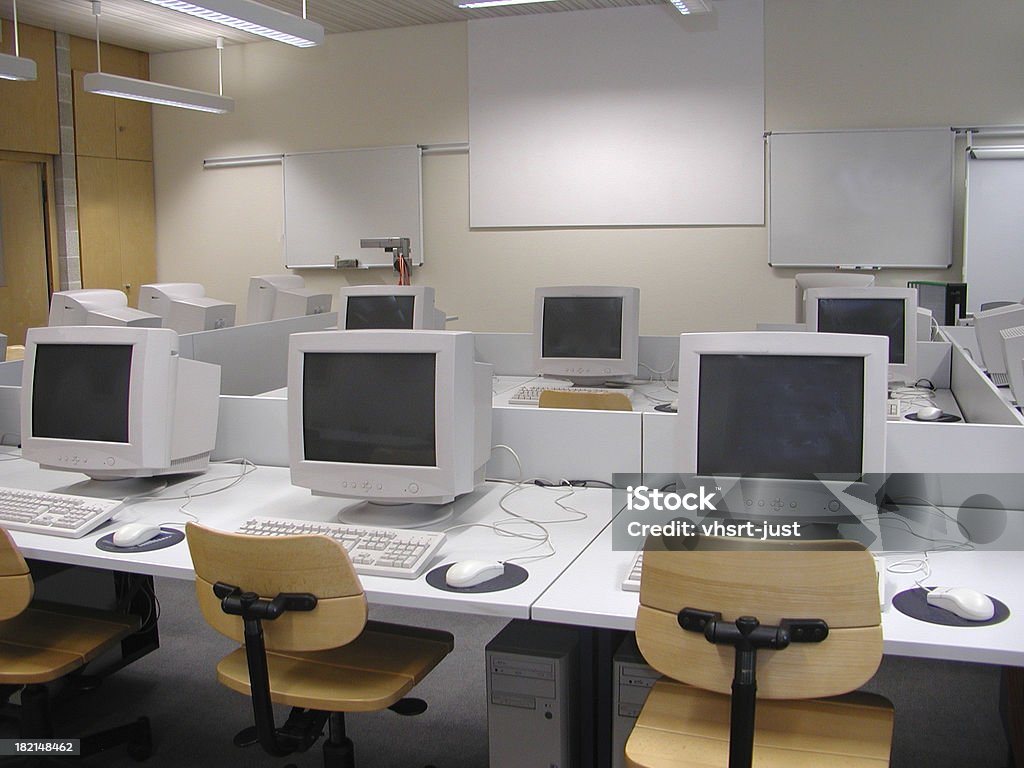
(987, 281)
(858, 263)
(372, 199)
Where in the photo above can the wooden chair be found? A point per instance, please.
(791, 621)
(42, 642)
(296, 604)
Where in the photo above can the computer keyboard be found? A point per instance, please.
(56, 514)
(632, 581)
(530, 394)
(395, 552)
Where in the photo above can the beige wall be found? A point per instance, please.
(829, 64)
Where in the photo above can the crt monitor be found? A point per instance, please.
(889, 312)
(804, 281)
(262, 291)
(793, 416)
(97, 306)
(399, 420)
(115, 402)
(587, 334)
(185, 307)
(368, 307)
(988, 324)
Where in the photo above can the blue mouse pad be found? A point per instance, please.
(913, 603)
(513, 576)
(167, 537)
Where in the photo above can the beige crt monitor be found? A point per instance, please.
(116, 403)
(398, 419)
(97, 306)
(368, 307)
(185, 307)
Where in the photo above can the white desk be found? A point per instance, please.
(589, 593)
(268, 492)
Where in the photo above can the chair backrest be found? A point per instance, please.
(16, 586)
(835, 581)
(269, 566)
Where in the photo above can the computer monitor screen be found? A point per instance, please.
(873, 317)
(582, 326)
(82, 392)
(782, 415)
(391, 421)
(888, 312)
(587, 334)
(367, 312)
(788, 419)
(368, 307)
(116, 402)
(398, 419)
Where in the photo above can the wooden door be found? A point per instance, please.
(24, 256)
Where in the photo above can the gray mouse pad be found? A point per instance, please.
(913, 603)
(513, 576)
(167, 537)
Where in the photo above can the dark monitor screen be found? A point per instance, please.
(582, 326)
(370, 312)
(369, 408)
(873, 317)
(81, 391)
(780, 415)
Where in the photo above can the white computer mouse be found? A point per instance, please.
(134, 534)
(469, 573)
(966, 603)
(929, 413)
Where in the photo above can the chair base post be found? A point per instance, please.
(339, 752)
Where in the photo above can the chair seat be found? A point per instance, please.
(371, 673)
(685, 727)
(47, 641)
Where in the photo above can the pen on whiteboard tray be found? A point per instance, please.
(857, 267)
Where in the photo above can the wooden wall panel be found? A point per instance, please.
(28, 117)
(98, 221)
(137, 226)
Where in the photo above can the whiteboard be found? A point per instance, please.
(631, 116)
(861, 198)
(994, 232)
(334, 199)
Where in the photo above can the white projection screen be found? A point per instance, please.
(633, 116)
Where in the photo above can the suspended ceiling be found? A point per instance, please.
(140, 25)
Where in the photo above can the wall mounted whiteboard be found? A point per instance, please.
(994, 232)
(861, 198)
(334, 199)
(626, 116)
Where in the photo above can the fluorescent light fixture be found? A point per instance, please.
(156, 93)
(250, 16)
(994, 152)
(16, 67)
(492, 3)
(686, 7)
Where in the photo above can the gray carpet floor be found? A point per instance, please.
(946, 714)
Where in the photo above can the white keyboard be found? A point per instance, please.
(56, 514)
(530, 394)
(632, 581)
(395, 552)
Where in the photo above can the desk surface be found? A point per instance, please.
(267, 491)
(589, 593)
(580, 584)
